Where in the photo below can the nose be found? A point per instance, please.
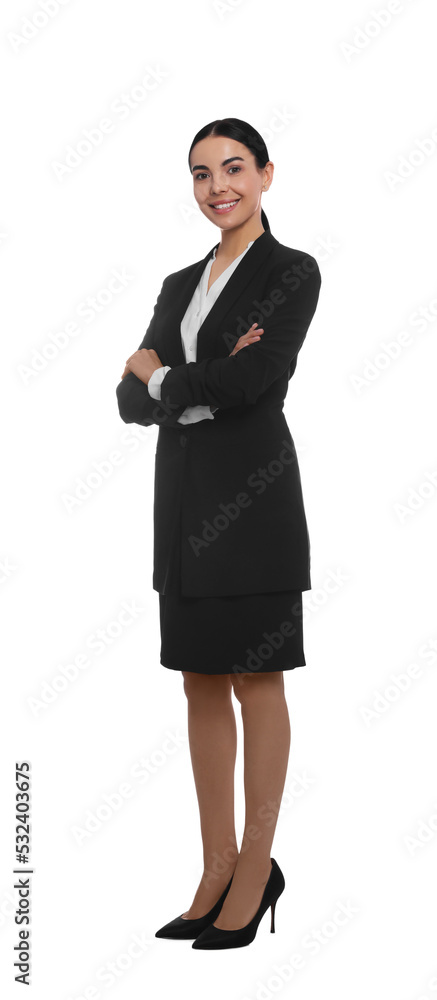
(215, 187)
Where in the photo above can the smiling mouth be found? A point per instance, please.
(226, 206)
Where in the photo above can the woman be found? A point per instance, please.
(231, 545)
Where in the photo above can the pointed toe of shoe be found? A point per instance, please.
(184, 929)
(216, 937)
(181, 929)
(211, 937)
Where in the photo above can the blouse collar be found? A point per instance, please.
(239, 255)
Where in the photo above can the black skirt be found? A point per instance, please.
(247, 633)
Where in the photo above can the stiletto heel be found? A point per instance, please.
(216, 937)
(183, 929)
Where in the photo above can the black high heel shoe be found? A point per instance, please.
(183, 929)
(216, 937)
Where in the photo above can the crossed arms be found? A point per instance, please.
(286, 310)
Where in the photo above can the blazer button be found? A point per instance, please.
(183, 439)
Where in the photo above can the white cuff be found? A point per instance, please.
(192, 414)
(154, 383)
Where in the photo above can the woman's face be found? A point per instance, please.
(224, 170)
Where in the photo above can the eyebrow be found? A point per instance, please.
(201, 166)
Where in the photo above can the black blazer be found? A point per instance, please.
(229, 489)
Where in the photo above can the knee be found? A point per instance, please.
(203, 686)
(250, 688)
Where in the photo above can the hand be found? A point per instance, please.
(247, 338)
(143, 363)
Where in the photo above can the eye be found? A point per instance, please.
(197, 177)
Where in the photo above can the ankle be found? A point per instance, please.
(218, 875)
(256, 863)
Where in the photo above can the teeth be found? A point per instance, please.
(226, 204)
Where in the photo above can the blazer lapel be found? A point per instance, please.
(207, 334)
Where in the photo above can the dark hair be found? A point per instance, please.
(235, 128)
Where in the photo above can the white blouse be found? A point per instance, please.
(201, 302)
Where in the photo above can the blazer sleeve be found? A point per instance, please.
(289, 304)
(135, 404)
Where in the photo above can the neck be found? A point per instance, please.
(234, 241)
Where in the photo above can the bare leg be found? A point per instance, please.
(212, 735)
(266, 726)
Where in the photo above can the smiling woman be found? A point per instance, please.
(231, 543)
(239, 172)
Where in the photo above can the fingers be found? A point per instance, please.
(248, 338)
(251, 334)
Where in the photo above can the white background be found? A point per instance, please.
(339, 99)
